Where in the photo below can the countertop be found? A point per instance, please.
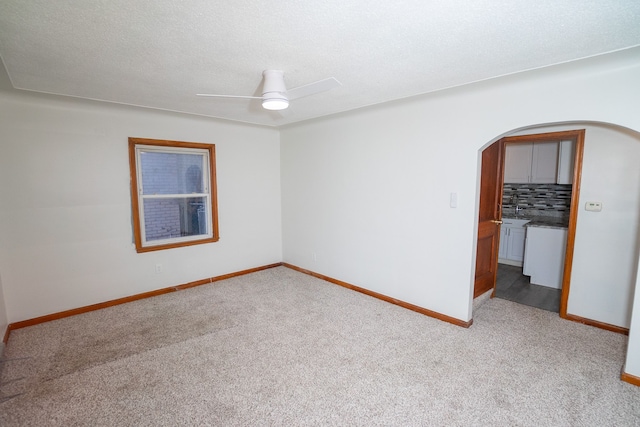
(537, 220)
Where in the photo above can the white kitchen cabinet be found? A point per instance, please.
(515, 250)
(544, 256)
(532, 162)
(517, 163)
(544, 162)
(512, 241)
(502, 249)
(566, 158)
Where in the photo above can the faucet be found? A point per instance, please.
(514, 200)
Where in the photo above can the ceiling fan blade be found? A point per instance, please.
(228, 96)
(313, 88)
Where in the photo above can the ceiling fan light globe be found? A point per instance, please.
(275, 104)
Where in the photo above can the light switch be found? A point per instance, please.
(453, 200)
(593, 206)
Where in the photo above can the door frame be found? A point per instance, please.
(578, 137)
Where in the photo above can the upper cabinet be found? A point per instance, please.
(517, 163)
(538, 162)
(544, 162)
(566, 156)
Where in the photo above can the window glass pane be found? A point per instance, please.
(172, 173)
(175, 217)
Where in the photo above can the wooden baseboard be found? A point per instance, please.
(595, 323)
(631, 379)
(93, 307)
(124, 300)
(385, 298)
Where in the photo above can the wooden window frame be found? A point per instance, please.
(134, 144)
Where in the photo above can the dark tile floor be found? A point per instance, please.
(512, 285)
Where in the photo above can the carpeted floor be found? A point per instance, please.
(279, 347)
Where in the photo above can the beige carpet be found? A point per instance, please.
(281, 348)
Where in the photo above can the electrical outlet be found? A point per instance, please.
(158, 268)
(593, 206)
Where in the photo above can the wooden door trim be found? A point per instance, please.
(548, 136)
(573, 221)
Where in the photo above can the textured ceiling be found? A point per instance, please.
(160, 53)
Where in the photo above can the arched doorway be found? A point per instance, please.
(601, 266)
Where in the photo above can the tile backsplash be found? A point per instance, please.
(540, 197)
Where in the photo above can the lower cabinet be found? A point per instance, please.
(545, 252)
(512, 239)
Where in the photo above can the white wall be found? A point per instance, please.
(367, 192)
(65, 213)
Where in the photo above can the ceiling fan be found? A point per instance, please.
(275, 95)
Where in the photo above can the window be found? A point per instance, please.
(173, 193)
